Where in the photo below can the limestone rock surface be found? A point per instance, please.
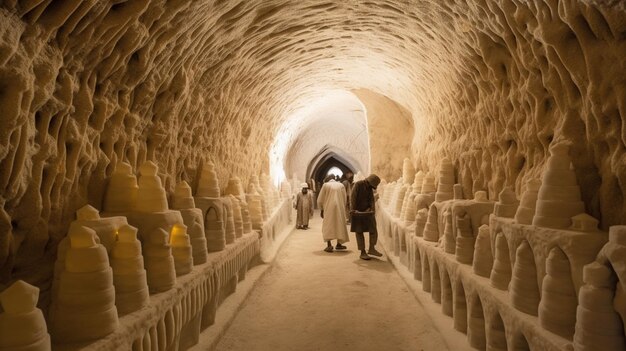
(86, 85)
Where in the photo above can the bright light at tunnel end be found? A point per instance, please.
(335, 171)
(309, 107)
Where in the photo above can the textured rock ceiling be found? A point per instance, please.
(84, 84)
(336, 123)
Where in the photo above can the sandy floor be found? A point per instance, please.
(313, 300)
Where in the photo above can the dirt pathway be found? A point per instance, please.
(314, 300)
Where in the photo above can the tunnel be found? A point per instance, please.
(152, 156)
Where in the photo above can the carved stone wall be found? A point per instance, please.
(85, 84)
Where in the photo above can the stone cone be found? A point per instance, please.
(84, 306)
(121, 193)
(501, 273)
(465, 239)
(557, 309)
(387, 192)
(559, 195)
(446, 181)
(89, 217)
(393, 197)
(129, 275)
(526, 209)
(208, 184)
(507, 203)
(393, 194)
(402, 214)
(193, 219)
(483, 259)
(524, 287)
(230, 233)
(237, 217)
(448, 235)
(22, 325)
(245, 216)
(431, 231)
(255, 208)
(598, 325)
(196, 232)
(151, 195)
(181, 249)
(158, 261)
(424, 200)
(417, 182)
(214, 227)
(409, 210)
(399, 199)
(420, 221)
(234, 187)
(182, 198)
(428, 186)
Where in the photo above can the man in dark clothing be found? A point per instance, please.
(362, 213)
(347, 183)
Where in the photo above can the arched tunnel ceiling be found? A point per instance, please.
(337, 122)
(322, 168)
(489, 84)
(330, 152)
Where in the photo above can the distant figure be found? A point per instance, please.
(347, 183)
(332, 203)
(362, 213)
(314, 189)
(304, 207)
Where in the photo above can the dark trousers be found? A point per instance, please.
(360, 240)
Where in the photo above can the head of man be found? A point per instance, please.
(329, 178)
(350, 176)
(373, 180)
(305, 187)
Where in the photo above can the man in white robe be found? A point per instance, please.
(304, 207)
(332, 203)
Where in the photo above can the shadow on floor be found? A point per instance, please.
(379, 264)
(342, 253)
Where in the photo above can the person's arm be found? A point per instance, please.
(321, 197)
(343, 196)
(353, 197)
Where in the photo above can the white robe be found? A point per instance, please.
(332, 200)
(304, 208)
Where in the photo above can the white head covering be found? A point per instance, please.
(304, 185)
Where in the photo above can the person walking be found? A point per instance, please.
(332, 204)
(304, 207)
(347, 183)
(362, 213)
